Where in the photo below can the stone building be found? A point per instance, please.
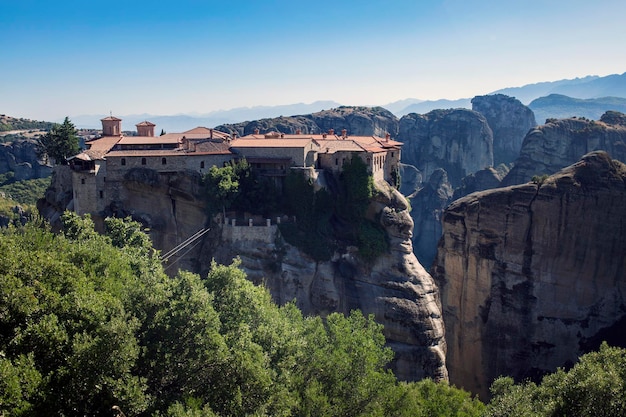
(99, 172)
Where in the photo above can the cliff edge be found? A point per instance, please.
(533, 276)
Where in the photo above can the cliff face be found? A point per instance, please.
(509, 121)
(21, 157)
(395, 288)
(533, 276)
(457, 140)
(555, 145)
(427, 209)
(358, 121)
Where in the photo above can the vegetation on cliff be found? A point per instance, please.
(90, 322)
(334, 218)
(8, 123)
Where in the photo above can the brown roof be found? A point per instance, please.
(206, 132)
(111, 118)
(148, 140)
(145, 123)
(332, 146)
(103, 144)
(286, 142)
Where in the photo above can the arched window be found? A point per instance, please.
(143, 161)
(163, 161)
(123, 161)
(201, 164)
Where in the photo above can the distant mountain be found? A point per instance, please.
(182, 122)
(424, 107)
(397, 107)
(557, 106)
(591, 86)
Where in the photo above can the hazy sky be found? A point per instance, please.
(70, 57)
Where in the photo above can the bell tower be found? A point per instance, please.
(145, 128)
(111, 126)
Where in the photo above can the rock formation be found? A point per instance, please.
(396, 288)
(427, 209)
(358, 121)
(21, 158)
(532, 276)
(485, 179)
(509, 121)
(457, 140)
(560, 143)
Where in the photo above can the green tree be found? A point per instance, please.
(595, 386)
(60, 142)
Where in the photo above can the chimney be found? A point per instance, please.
(344, 133)
(257, 131)
(298, 131)
(387, 137)
(331, 131)
(323, 135)
(210, 133)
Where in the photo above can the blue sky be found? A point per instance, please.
(129, 57)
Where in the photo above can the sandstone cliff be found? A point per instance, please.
(509, 121)
(532, 276)
(457, 140)
(559, 143)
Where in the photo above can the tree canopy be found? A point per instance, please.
(89, 322)
(60, 142)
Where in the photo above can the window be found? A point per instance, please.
(202, 165)
(123, 161)
(101, 194)
(392, 154)
(336, 161)
(82, 180)
(163, 161)
(143, 161)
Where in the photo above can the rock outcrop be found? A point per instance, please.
(21, 158)
(395, 288)
(560, 143)
(58, 197)
(485, 179)
(532, 276)
(358, 121)
(509, 121)
(457, 140)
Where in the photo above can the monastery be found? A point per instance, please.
(98, 171)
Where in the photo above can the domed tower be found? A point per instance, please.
(145, 128)
(111, 126)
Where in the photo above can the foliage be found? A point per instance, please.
(90, 322)
(323, 219)
(539, 179)
(13, 123)
(60, 142)
(27, 191)
(235, 186)
(595, 386)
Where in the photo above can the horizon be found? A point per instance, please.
(79, 58)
